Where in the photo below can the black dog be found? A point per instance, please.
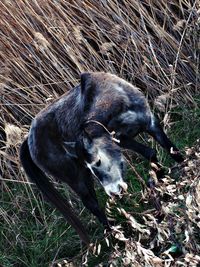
(72, 140)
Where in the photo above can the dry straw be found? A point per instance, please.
(45, 44)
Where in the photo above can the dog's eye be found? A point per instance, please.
(98, 163)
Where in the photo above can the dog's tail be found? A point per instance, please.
(47, 188)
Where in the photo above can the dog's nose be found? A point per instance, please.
(123, 186)
(115, 189)
(120, 189)
(117, 192)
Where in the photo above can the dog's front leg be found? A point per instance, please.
(147, 152)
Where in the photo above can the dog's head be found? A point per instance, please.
(103, 157)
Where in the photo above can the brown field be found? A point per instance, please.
(44, 46)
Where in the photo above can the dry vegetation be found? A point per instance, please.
(45, 45)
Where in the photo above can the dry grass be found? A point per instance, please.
(44, 46)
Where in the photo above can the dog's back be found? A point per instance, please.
(100, 96)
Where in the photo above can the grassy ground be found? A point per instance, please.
(44, 47)
(34, 234)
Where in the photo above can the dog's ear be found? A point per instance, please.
(83, 148)
(85, 81)
(70, 148)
